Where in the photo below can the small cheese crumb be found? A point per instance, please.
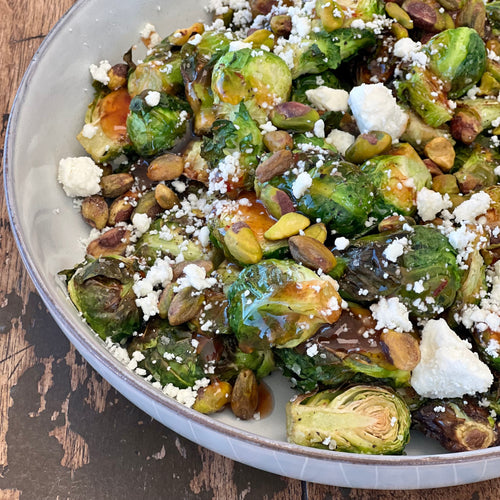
(390, 313)
(196, 277)
(141, 222)
(328, 99)
(430, 203)
(340, 140)
(341, 243)
(475, 206)
(100, 73)
(153, 98)
(448, 368)
(301, 184)
(89, 131)
(79, 176)
(395, 249)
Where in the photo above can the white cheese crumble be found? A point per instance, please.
(319, 129)
(430, 203)
(328, 99)
(152, 98)
(141, 223)
(390, 313)
(301, 184)
(196, 277)
(448, 368)
(341, 243)
(340, 140)
(410, 51)
(89, 131)
(100, 73)
(475, 206)
(79, 176)
(395, 249)
(375, 108)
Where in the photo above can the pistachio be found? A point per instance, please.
(115, 185)
(317, 231)
(288, 225)
(166, 167)
(180, 37)
(425, 15)
(226, 17)
(396, 12)
(277, 140)
(473, 15)
(261, 7)
(245, 396)
(367, 146)
(276, 201)
(184, 306)
(294, 116)
(147, 204)
(242, 244)
(178, 269)
(121, 209)
(213, 398)
(277, 164)
(118, 76)
(401, 348)
(281, 25)
(165, 197)
(441, 152)
(466, 125)
(311, 253)
(95, 211)
(394, 223)
(445, 183)
(399, 31)
(195, 166)
(112, 242)
(451, 5)
(261, 37)
(165, 300)
(330, 14)
(489, 84)
(432, 167)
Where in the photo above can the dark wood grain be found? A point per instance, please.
(64, 432)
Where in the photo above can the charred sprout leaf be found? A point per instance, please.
(104, 136)
(348, 351)
(427, 259)
(360, 419)
(102, 291)
(280, 303)
(458, 58)
(459, 425)
(154, 129)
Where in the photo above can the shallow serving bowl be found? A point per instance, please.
(47, 114)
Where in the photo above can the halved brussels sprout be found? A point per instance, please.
(360, 419)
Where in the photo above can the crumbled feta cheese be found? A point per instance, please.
(375, 108)
(395, 249)
(448, 368)
(430, 203)
(410, 51)
(79, 176)
(328, 99)
(141, 222)
(239, 45)
(196, 277)
(340, 140)
(390, 313)
(319, 129)
(341, 243)
(301, 184)
(204, 236)
(89, 131)
(152, 98)
(100, 73)
(475, 206)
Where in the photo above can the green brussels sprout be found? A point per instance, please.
(310, 82)
(428, 259)
(154, 129)
(341, 195)
(247, 74)
(458, 57)
(326, 51)
(426, 96)
(160, 71)
(340, 353)
(361, 9)
(102, 291)
(361, 419)
(458, 424)
(397, 179)
(280, 303)
(106, 117)
(238, 135)
(169, 238)
(169, 354)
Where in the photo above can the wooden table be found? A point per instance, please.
(64, 432)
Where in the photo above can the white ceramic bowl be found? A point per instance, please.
(45, 119)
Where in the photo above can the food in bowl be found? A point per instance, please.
(310, 188)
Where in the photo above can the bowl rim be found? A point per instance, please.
(79, 335)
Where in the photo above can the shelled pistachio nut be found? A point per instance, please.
(121, 209)
(294, 116)
(118, 76)
(213, 398)
(276, 201)
(277, 140)
(112, 242)
(165, 300)
(401, 348)
(165, 197)
(330, 14)
(166, 167)
(367, 146)
(394, 223)
(288, 225)
(441, 152)
(446, 183)
(317, 231)
(259, 38)
(281, 25)
(115, 185)
(147, 204)
(399, 15)
(242, 244)
(311, 253)
(278, 163)
(95, 211)
(180, 37)
(245, 396)
(184, 306)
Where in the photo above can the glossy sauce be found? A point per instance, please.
(266, 400)
(114, 109)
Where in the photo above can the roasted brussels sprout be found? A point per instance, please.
(104, 135)
(280, 303)
(157, 128)
(102, 291)
(423, 271)
(360, 419)
(459, 425)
